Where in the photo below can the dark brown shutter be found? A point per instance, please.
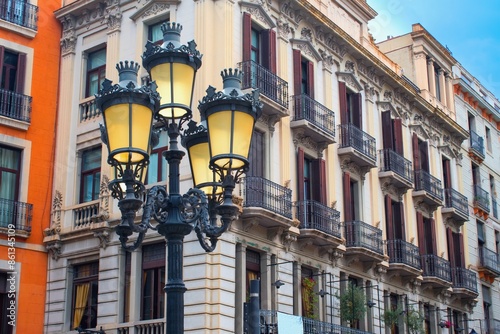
(446, 174)
(310, 79)
(462, 249)
(399, 221)
(398, 135)
(2, 49)
(347, 197)
(416, 152)
(21, 73)
(451, 247)
(357, 112)
(433, 235)
(424, 156)
(421, 233)
(319, 185)
(387, 139)
(300, 171)
(247, 36)
(389, 221)
(269, 50)
(344, 118)
(297, 72)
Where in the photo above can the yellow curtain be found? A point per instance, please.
(82, 295)
(251, 275)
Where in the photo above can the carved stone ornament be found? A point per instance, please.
(296, 15)
(350, 66)
(113, 16)
(350, 80)
(55, 225)
(103, 236)
(68, 39)
(54, 248)
(301, 139)
(284, 29)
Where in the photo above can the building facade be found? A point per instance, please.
(358, 177)
(29, 71)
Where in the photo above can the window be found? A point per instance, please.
(446, 173)
(303, 75)
(257, 154)
(259, 45)
(312, 178)
(5, 300)
(488, 138)
(155, 35)
(157, 168)
(420, 154)
(13, 70)
(394, 219)
(352, 210)
(392, 133)
(85, 287)
(252, 269)
(90, 174)
(350, 106)
(455, 249)
(426, 235)
(153, 281)
(309, 297)
(96, 71)
(10, 171)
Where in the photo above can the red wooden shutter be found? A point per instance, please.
(416, 152)
(357, 112)
(2, 49)
(451, 247)
(433, 235)
(424, 156)
(389, 221)
(300, 171)
(446, 174)
(347, 197)
(387, 139)
(398, 212)
(21, 73)
(398, 135)
(310, 79)
(297, 72)
(319, 187)
(421, 233)
(269, 50)
(344, 118)
(247, 36)
(462, 249)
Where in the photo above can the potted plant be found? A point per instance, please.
(352, 304)
(415, 322)
(309, 297)
(391, 317)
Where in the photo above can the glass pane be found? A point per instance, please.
(91, 159)
(8, 186)
(87, 187)
(155, 34)
(9, 158)
(96, 59)
(96, 188)
(153, 168)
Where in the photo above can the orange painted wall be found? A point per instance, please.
(30, 252)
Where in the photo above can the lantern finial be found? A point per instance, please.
(127, 72)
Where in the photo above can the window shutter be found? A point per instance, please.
(347, 197)
(310, 79)
(357, 112)
(433, 235)
(416, 152)
(21, 73)
(297, 72)
(451, 247)
(343, 103)
(424, 156)
(461, 251)
(269, 50)
(2, 49)
(300, 171)
(397, 127)
(389, 221)
(446, 174)
(247, 35)
(399, 219)
(421, 233)
(319, 190)
(387, 139)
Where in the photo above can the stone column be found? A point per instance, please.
(442, 88)
(297, 289)
(265, 281)
(430, 75)
(449, 95)
(422, 75)
(113, 17)
(240, 276)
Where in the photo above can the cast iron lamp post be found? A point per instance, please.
(218, 151)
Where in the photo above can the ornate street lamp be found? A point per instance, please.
(218, 151)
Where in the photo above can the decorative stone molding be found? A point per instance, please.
(388, 188)
(307, 49)
(350, 80)
(68, 39)
(55, 225)
(301, 139)
(54, 248)
(284, 29)
(259, 9)
(331, 42)
(294, 14)
(425, 208)
(350, 66)
(113, 16)
(103, 236)
(334, 254)
(346, 165)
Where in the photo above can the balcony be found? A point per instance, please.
(489, 266)
(427, 189)
(19, 12)
(88, 110)
(269, 324)
(456, 207)
(404, 258)
(15, 215)
(156, 326)
(464, 282)
(395, 170)
(319, 224)
(273, 89)
(15, 106)
(481, 202)
(269, 203)
(357, 146)
(363, 242)
(437, 271)
(83, 214)
(476, 148)
(313, 119)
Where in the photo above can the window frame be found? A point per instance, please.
(94, 172)
(154, 269)
(99, 70)
(93, 280)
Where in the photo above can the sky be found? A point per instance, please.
(470, 30)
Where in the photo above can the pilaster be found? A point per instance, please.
(430, 76)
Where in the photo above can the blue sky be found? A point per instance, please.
(471, 33)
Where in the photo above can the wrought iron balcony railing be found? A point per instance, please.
(361, 234)
(464, 279)
(489, 260)
(454, 199)
(314, 215)
(14, 105)
(269, 84)
(269, 325)
(262, 193)
(19, 12)
(430, 184)
(435, 266)
(481, 198)
(17, 215)
(314, 112)
(477, 143)
(352, 136)
(391, 161)
(403, 252)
